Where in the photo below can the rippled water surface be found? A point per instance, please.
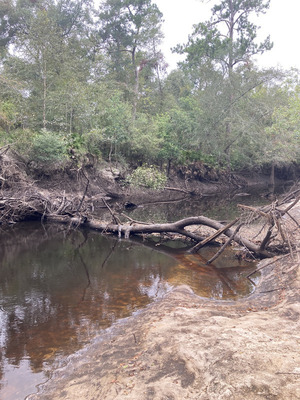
(58, 289)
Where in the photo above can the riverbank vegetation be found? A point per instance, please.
(82, 82)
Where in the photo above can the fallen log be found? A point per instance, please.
(177, 227)
(226, 244)
(189, 192)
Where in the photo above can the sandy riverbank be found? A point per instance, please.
(186, 347)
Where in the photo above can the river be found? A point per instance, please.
(59, 289)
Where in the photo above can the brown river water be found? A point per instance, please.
(60, 289)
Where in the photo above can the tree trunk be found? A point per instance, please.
(272, 176)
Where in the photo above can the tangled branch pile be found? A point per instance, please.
(20, 198)
(278, 227)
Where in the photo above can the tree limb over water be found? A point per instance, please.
(23, 201)
(66, 211)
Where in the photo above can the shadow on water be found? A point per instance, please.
(59, 290)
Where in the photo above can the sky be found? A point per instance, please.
(281, 22)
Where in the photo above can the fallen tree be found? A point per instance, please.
(177, 227)
(75, 213)
(24, 202)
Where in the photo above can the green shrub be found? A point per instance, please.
(21, 141)
(94, 141)
(48, 148)
(149, 177)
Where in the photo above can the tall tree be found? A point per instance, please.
(282, 141)
(52, 49)
(130, 30)
(221, 50)
(227, 40)
(8, 24)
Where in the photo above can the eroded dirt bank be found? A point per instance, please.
(185, 347)
(26, 193)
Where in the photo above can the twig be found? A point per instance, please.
(109, 254)
(289, 196)
(255, 210)
(133, 221)
(116, 219)
(287, 373)
(6, 148)
(267, 238)
(291, 205)
(294, 219)
(85, 192)
(62, 205)
(273, 290)
(266, 265)
(259, 232)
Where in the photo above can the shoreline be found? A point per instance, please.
(159, 352)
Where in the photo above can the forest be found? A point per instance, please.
(82, 81)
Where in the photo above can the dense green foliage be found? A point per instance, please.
(149, 177)
(77, 80)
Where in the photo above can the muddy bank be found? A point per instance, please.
(103, 180)
(186, 347)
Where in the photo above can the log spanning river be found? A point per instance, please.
(60, 289)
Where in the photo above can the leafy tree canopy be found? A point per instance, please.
(227, 40)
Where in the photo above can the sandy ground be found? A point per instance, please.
(186, 347)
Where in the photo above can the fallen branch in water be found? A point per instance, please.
(189, 192)
(23, 202)
(61, 210)
(225, 245)
(66, 212)
(213, 237)
(177, 227)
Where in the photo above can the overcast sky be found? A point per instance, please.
(281, 22)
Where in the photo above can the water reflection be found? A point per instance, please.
(59, 289)
(222, 207)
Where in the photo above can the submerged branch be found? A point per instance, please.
(225, 245)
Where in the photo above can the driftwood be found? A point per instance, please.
(213, 237)
(177, 227)
(76, 213)
(189, 192)
(273, 215)
(225, 245)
